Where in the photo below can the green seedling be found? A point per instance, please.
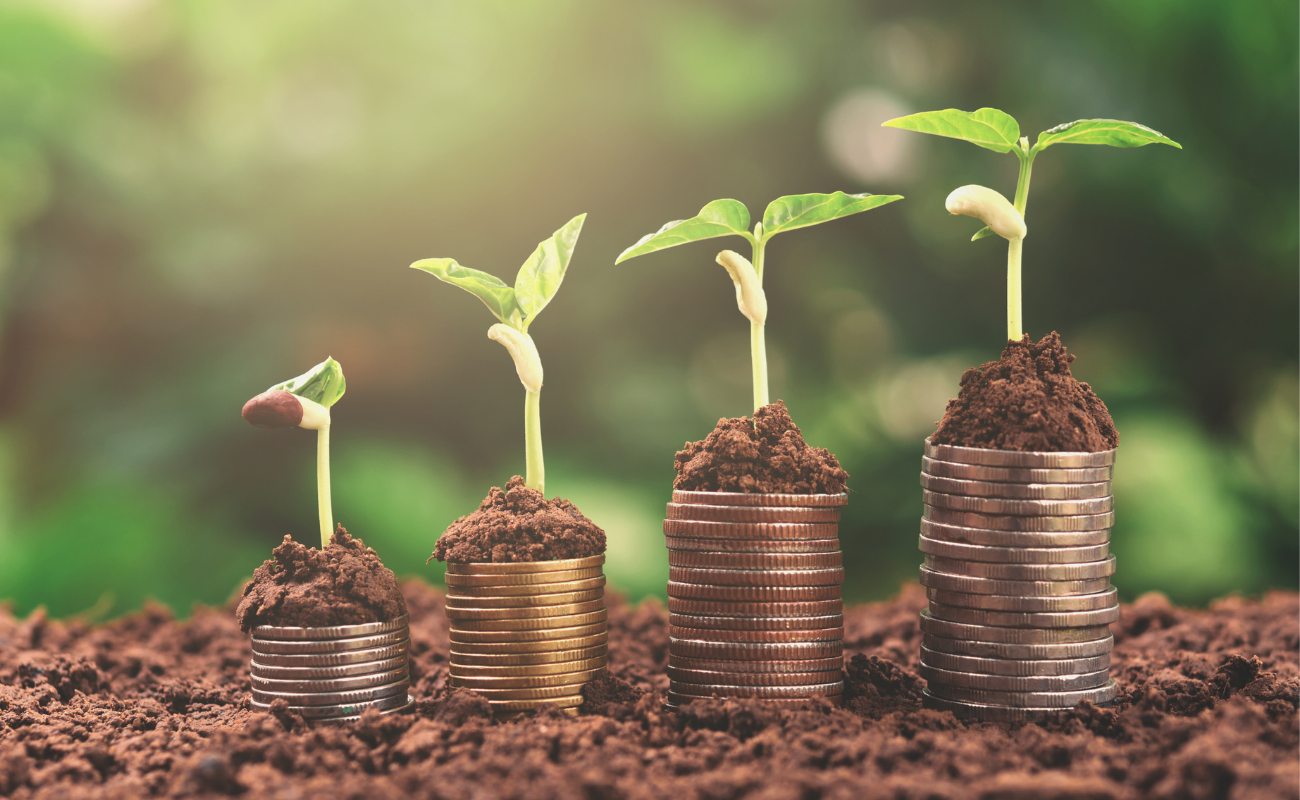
(997, 131)
(731, 218)
(304, 402)
(516, 307)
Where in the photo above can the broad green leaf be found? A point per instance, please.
(981, 233)
(801, 210)
(499, 298)
(719, 218)
(1113, 132)
(540, 276)
(323, 383)
(987, 127)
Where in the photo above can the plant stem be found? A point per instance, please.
(758, 336)
(535, 477)
(323, 485)
(1015, 247)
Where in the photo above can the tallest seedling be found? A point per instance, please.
(999, 132)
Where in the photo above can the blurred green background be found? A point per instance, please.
(200, 199)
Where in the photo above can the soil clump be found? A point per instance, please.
(519, 524)
(1027, 401)
(345, 584)
(766, 454)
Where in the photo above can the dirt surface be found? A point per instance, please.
(148, 707)
(520, 524)
(346, 584)
(1027, 401)
(760, 455)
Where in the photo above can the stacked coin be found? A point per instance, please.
(333, 673)
(1017, 570)
(525, 634)
(754, 596)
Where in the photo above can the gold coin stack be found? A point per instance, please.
(527, 634)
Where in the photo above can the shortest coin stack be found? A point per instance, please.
(1017, 570)
(333, 673)
(529, 633)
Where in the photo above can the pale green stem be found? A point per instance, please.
(536, 469)
(323, 485)
(758, 336)
(1015, 247)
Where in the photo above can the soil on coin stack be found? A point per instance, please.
(1027, 401)
(519, 524)
(148, 706)
(346, 584)
(766, 454)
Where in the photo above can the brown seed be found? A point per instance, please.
(522, 648)
(721, 608)
(727, 635)
(475, 583)
(744, 651)
(776, 500)
(756, 623)
(455, 601)
(514, 567)
(548, 635)
(274, 408)
(527, 612)
(563, 679)
(701, 513)
(785, 594)
(756, 546)
(725, 690)
(460, 658)
(700, 676)
(688, 558)
(560, 668)
(762, 666)
(751, 530)
(529, 590)
(758, 577)
(539, 623)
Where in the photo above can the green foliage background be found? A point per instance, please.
(199, 198)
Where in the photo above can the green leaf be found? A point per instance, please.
(987, 127)
(719, 218)
(981, 233)
(323, 383)
(540, 276)
(499, 298)
(1113, 132)
(801, 210)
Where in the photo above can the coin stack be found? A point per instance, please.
(527, 634)
(1017, 570)
(333, 673)
(754, 596)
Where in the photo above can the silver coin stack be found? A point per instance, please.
(1017, 571)
(331, 674)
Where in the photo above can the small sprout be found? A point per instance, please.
(989, 207)
(304, 402)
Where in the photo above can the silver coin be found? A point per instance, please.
(976, 472)
(307, 699)
(1101, 694)
(991, 538)
(1013, 683)
(744, 651)
(1027, 508)
(1013, 555)
(1014, 619)
(344, 710)
(752, 545)
(331, 631)
(964, 583)
(1022, 652)
(1088, 570)
(407, 706)
(1010, 666)
(258, 669)
(328, 685)
(971, 519)
(756, 623)
(761, 666)
(1016, 491)
(995, 602)
(398, 650)
(705, 513)
(313, 647)
(761, 499)
(1013, 458)
(985, 713)
(993, 633)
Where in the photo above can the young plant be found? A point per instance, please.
(731, 218)
(997, 131)
(304, 402)
(516, 308)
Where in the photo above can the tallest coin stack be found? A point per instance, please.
(1017, 570)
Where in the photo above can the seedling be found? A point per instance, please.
(997, 131)
(731, 218)
(304, 402)
(516, 308)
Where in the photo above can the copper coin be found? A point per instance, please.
(1102, 694)
(756, 623)
(521, 648)
(964, 583)
(1010, 666)
(773, 546)
(1064, 650)
(1012, 458)
(1030, 508)
(301, 699)
(696, 591)
(567, 680)
(328, 685)
(981, 712)
(761, 666)
(1023, 475)
(514, 637)
(539, 693)
(991, 538)
(746, 499)
(675, 701)
(1014, 619)
(343, 710)
(500, 706)
(539, 623)
(689, 558)
(700, 676)
(532, 670)
(996, 602)
(1016, 491)
(314, 647)
(731, 690)
(524, 601)
(480, 593)
(740, 651)
(1013, 555)
(462, 659)
(750, 609)
(259, 670)
(701, 513)
(993, 633)
(331, 631)
(726, 635)
(526, 612)
(758, 577)
(514, 567)
(1087, 570)
(970, 519)
(751, 530)
(475, 584)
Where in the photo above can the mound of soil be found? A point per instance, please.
(150, 707)
(758, 456)
(1027, 401)
(520, 524)
(346, 584)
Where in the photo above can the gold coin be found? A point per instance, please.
(471, 602)
(540, 693)
(521, 578)
(463, 660)
(500, 706)
(526, 612)
(531, 589)
(531, 670)
(519, 648)
(459, 636)
(540, 623)
(566, 679)
(516, 567)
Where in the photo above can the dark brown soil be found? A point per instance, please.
(760, 455)
(149, 707)
(346, 584)
(1027, 401)
(520, 524)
